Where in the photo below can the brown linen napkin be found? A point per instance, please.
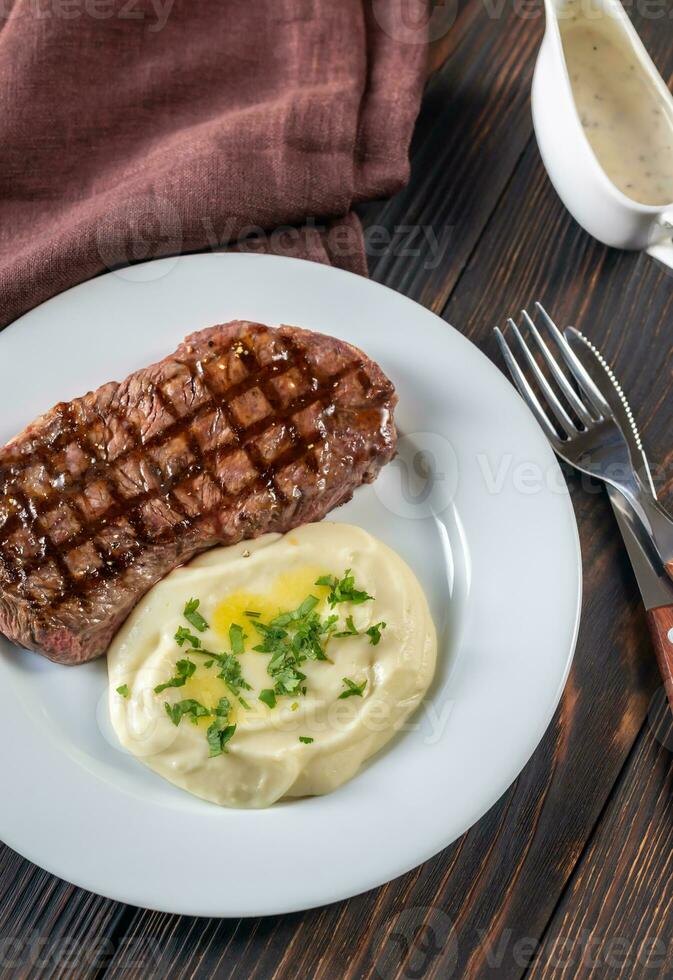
(137, 128)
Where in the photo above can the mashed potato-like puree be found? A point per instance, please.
(305, 736)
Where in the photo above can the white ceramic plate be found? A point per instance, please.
(476, 505)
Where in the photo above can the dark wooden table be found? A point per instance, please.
(569, 875)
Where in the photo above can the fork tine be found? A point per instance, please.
(525, 389)
(573, 400)
(557, 408)
(582, 377)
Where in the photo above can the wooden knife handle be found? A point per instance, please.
(661, 626)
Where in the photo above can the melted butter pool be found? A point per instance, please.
(288, 592)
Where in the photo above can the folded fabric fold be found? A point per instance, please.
(138, 128)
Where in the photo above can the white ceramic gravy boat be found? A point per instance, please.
(580, 181)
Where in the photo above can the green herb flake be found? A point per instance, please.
(268, 696)
(353, 690)
(307, 606)
(307, 643)
(294, 706)
(251, 614)
(289, 680)
(272, 638)
(237, 639)
(374, 633)
(230, 673)
(124, 690)
(306, 740)
(289, 652)
(184, 669)
(292, 638)
(350, 629)
(218, 737)
(189, 708)
(223, 709)
(191, 614)
(220, 732)
(343, 589)
(183, 635)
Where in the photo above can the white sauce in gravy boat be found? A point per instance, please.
(604, 123)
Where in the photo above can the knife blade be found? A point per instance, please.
(603, 376)
(655, 586)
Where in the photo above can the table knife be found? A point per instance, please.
(655, 586)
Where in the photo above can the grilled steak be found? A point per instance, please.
(243, 430)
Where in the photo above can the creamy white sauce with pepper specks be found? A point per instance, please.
(266, 758)
(627, 123)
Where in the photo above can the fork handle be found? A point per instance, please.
(660, 621)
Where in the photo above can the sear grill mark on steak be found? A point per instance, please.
(242, 431)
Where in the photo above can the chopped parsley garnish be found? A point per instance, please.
(184, 670)
(353, 690)
(288, 652)
(223, 709)
(230, 673)
(307, 641)
(289, 680)
(272, 638)
(290, 639)
(123, 690)
(307, 606)
(237, 639)
(191, 709)
(183, 635)
(350, 630)
(343, 589)
(268, 696)
(220, 732)
(218, 736)
(191, 614)
(295, 637)
(374, 633)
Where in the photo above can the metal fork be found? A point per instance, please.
(593, 441)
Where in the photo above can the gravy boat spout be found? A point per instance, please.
(561, 128)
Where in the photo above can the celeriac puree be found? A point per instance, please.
(265, 759)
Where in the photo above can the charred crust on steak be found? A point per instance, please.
(245, 429)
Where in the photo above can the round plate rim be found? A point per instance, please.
(44, 856)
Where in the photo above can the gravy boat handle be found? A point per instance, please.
(661, 248)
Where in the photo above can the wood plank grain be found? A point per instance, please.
(620, 301)
(615, 919)
(50, 928)
(474, 125)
